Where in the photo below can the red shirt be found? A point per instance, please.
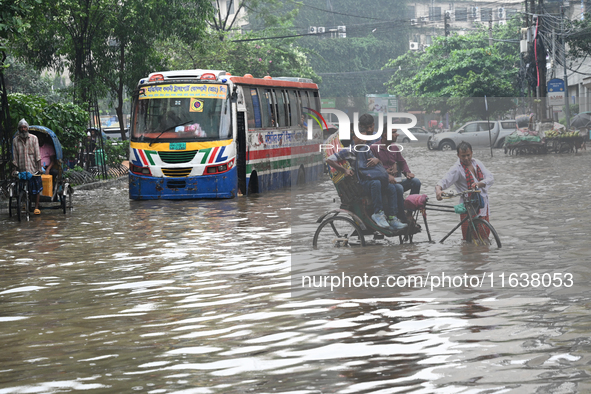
(388, 158)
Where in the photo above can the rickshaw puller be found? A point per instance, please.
(26, 157)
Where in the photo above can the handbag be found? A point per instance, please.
(477, 200)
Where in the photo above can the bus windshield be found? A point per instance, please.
(186, 112)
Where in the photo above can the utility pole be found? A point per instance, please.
(566, 101)
(542, 63)
(490, 40)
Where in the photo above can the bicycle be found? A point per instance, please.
(18, 199)
(480, 232)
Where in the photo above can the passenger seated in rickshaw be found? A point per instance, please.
(48, 157)
(372, 177)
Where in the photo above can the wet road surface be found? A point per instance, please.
(197, 297)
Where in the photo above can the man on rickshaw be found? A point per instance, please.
(27, 160)
(372, 176)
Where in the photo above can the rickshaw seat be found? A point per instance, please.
(349, 190)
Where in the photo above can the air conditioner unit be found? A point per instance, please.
(449, 14)
(501, 13)
(413, 46)
(413, 22)
(342, 29)
(425, 46)
(342, 35)
(502, 23)
(321, 30)
(312, 30)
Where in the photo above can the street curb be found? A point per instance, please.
(100, 184)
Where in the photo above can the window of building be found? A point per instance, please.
(434, 14)
(461, 14)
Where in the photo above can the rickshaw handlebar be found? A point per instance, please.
(453, 194)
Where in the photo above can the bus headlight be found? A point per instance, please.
(218, 169)
(139, 170)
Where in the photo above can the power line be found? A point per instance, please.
(338, 13)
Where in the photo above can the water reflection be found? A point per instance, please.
(196, 296)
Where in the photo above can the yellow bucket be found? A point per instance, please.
(47, 185)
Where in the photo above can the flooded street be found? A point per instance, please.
(197, 296)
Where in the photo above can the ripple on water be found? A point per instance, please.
(196, 296)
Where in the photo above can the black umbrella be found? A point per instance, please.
(581, 121)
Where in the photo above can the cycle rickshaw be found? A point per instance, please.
(57, 192)
(351, 223)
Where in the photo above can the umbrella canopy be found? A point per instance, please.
(582, 120)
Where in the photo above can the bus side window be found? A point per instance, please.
(256, 112)
(249, 109)
(309, 100)
(304, 101)
(315, 101)
(293, 108)
(275, 108)
(266, 104)
(281, 118)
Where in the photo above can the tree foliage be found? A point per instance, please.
(375, 33)
(20, 77)
(258, 58)
(130, 51)
(67, 120)
(351, 67)
(579, 41)
(460, 68)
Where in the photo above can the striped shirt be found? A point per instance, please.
(26, 153)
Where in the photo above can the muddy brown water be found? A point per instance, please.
(197, 297)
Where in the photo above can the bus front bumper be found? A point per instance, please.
(205, 186)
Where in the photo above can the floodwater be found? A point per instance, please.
(196, 296)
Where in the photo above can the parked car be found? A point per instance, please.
(475, 133)
(422, 135)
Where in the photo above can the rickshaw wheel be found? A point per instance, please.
(22, 205)
(11, 200)
(66, 199)
(338, 231)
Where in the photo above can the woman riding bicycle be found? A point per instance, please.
(467, 173)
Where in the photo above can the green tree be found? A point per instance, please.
(66, 33)
(261, 14)
(351, 67)
(67, 120)
(258, 58)
(579, 40)
(14, 20)
(130, 51)
(375, 33)
(463, 69)
(20, 77)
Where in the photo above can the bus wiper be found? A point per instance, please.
(167, 129)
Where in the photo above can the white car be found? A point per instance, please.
(420, 133)
(476, 134)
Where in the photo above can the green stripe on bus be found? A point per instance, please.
(205, 155)
(149, 154)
